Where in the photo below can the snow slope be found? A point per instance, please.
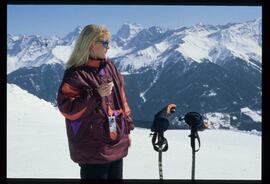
(256, 116)
(36, 139)
(37, 148)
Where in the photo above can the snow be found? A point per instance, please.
(196, 47)
(137, 61)
(29, 51)
(217, 120)
(129, 30)
(241, 45)
(162, 46)
(197, 43)
(125, 73)
(12, 64)
(144, 58)
(242, 40)
(16, 38)
(238, 40)
(212, 93)
(255, 116)
(36, 140)
(37, 147)
(142, 95)
(54, 61)
(220, 157)
(62, 52)
(116, 51)
(209, 93)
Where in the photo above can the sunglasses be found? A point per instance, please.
(104, 43)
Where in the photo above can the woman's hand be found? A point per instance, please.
(105, 89)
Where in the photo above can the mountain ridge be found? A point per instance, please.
(161, 66)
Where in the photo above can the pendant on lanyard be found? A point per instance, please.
(112, 124)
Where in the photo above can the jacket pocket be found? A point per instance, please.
(77, 129)
(97, 126)
(120, 130)
(75, 126)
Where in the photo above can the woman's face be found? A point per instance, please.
(100, 48)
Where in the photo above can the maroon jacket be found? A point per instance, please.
(86, 113)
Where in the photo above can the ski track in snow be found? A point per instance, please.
(142, 94)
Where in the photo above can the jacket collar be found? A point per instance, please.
(95, 63)
(98, 64)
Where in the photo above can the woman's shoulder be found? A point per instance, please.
(74, 72)
(76, 69)
(111, 64)
(77, 76)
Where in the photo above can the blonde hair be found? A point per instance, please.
(81, 52)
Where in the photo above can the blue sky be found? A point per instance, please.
(49, 20)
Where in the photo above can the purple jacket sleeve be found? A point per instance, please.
(75, 98)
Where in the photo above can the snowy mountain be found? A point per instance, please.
(211, 43)
(126, 33)
(36, 134)
(204, 68)
(30, 51)
(132, 43)
(205, 88)
(73, 35)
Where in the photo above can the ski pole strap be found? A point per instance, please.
(194, 135)
(159, 142)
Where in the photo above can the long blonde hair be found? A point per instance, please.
(87, 37)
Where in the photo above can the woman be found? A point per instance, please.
(91, 97)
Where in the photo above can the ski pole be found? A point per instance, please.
(159, 126)
(160, 159)
(195, 122)
(192, 139)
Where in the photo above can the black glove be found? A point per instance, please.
(161, 120)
